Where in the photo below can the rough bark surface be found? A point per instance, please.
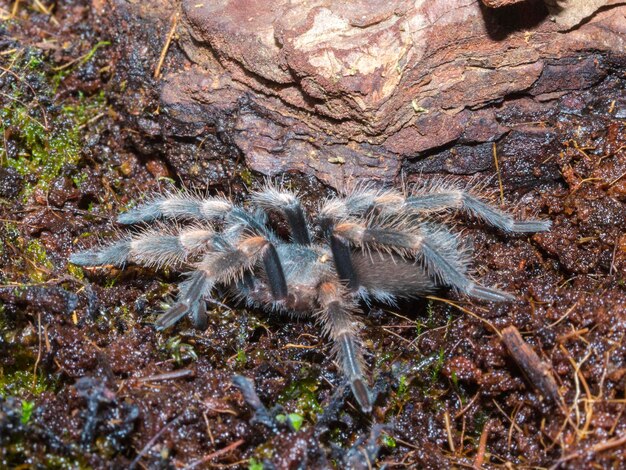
(352, 90)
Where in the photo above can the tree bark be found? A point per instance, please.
(360, 90)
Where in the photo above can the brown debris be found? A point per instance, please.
(538, 372)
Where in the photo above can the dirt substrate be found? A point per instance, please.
(87, 382)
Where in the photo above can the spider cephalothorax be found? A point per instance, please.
(370, 244)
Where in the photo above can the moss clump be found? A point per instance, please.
(42, 140)
(40, 265)
(253, 464)
(306, 403)
(75, 271)
(22, 384)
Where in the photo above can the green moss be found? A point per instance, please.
(263, 452)
(27, 411)
(4, 324)
(62, 462)
(112, 281)
(22, 384)
(303, 392)
(28, 258)
(75, 271)
(40, 264)
(253, 464)
(48, 138)
(388, 441)
(403, 387)
(241, 357)
(294, 418)
(178, 351)
(43, 150)
(383, 358)
(246, 176)
(436, 370)
(11, 231)
(79, 179)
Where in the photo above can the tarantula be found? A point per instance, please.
(371, 244)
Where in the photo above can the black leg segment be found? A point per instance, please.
(274, 272)
(297, 223)
(342, 255)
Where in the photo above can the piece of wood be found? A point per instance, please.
(539, 373)
(364, 90)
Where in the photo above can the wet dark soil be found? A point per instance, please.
(87, 382)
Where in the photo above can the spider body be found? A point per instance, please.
(368, 245)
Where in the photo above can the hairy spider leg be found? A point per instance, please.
(289, 205)
(187, 206)
(360, 201)
(340, 325)
(221, 266)
(430, 197)
(275, 274)
(437, 247)
(437, 198)
(180, 205)
(190, 302)
(239, 220)
(342, 258)
(444, 258)
(343, 234)
(152, 247)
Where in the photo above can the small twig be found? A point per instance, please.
(617, 179)
(298, 346)
(208, 428)
(32, 90)
(38, 350)
(151, 442)
(25, 105)
(446, 417)
(571, 334)
(599, 447)
(612, 267)
(508, 418)
(46, 11)
(177, 374)
(512, 426)
(83, 58)
(495, 159)
(579, 378)
(466, 407)
(8, 51)
(464, 310)
(91, 120)
(166, 46)
(482, 446)
(16, 6)
(215, 454)
(537, 371)
(564, 316)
